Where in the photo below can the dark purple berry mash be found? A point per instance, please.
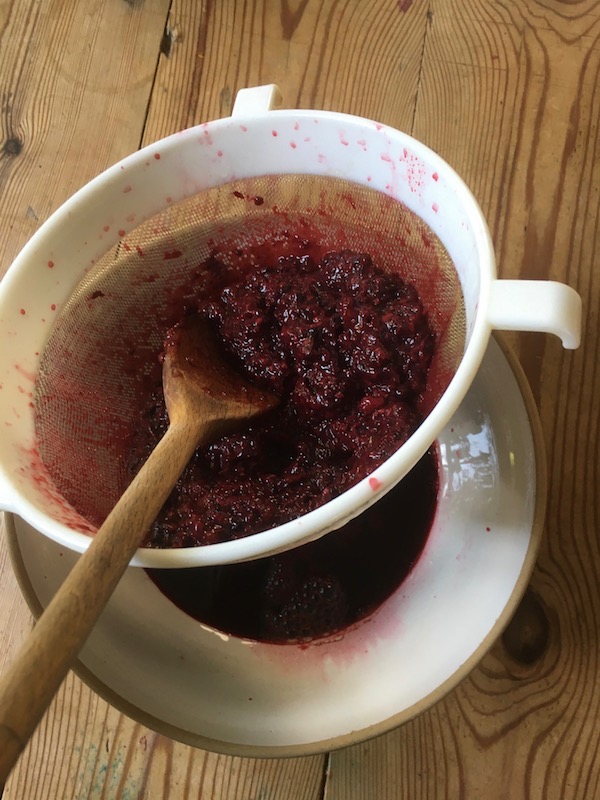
(347, 348)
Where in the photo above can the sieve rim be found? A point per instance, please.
(335, 512)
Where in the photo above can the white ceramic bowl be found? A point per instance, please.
(192, 683)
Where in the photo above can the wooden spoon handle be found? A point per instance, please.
(29, 684)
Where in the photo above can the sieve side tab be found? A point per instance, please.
(9, 497)
(544, 306)
(256, 100)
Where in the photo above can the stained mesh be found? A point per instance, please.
(106, 340)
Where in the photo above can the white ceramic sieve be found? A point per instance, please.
(132, 209)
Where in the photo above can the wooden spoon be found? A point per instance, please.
(204, 399)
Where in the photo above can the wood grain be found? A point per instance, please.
(509, 95)
(86, 749)
(89, 113)
(339, 55)
(76, 79)
(508, 92)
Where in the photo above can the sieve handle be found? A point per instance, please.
(256, 100)
(545, 306)
(29, 684)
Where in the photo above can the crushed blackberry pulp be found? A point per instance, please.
(347, 348)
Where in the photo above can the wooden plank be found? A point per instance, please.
(509, 95)
(89, 111)
(76, 79)
(68, 111)
(342, 56)
(100, 754)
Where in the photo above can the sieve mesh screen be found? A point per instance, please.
(105, 343)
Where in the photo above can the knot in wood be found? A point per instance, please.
(12, 146)
(527, 634)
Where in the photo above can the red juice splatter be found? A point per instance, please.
(25, 373)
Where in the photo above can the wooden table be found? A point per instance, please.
(509, 93)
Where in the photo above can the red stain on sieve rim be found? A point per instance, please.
(30, 376)
(38, 472)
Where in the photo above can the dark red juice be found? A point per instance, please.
(320, 588)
